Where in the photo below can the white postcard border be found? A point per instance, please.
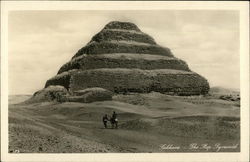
(129, 5)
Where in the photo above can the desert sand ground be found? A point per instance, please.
(150, 122)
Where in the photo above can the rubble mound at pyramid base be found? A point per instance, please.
(60, 94)
(134, 80)
(50, 93)
(90, 95)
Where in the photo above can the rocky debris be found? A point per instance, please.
(90, 95)
(230, 98)
(51, 93)
(60, 94)
(123, 59)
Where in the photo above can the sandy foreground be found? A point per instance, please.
(150, 122)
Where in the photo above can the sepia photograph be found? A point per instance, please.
(104, 81)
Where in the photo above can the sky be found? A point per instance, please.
(40, 42)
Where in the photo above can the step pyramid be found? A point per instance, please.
(121, 58)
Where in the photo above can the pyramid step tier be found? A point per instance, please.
(123, 60)
(126, 31)
(105, 47)
(133, 80)
(122, 35)
(122, 25)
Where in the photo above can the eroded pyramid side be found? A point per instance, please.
(122, 58)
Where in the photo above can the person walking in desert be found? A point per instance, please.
(105, 120)
(114, 120)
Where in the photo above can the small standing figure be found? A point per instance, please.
(114, 120)
(105, 120)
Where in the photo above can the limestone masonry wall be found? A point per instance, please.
(92, 62)
(121, 25)
(111, 47)
(108, 35)
(62, 79)
(135, 80)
